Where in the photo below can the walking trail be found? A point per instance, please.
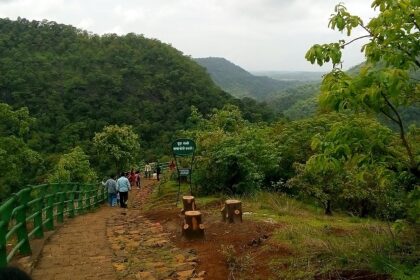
(114, 243)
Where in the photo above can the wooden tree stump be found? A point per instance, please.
(193, 227)
(232, 211)
(189, 203)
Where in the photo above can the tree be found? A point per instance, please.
(73, 167)
(352, 166)
(117, 146)
(19, 164)
(293, 141)
(384, 84)
(233, 156)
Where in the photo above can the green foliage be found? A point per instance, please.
(343, 20)
(73, 167)
(283, 101)
(75, 83)
(14, 122)
(19, 164)
(413, 208)
(233, 156)
(117, 146)
(352, 168)
(240, 83)
(302, 109)
(384, 84)
(324, 53)
(293, 142)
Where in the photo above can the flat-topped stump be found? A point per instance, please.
(232, 211)
(188, 202)
(193, 226)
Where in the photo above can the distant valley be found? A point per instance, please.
(302, 76)
(281, 90)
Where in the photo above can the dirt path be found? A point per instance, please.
(142, 249)
(114, 243)
(78, 250)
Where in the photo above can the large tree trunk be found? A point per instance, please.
(232, 211)
(189, 203)
(193, 226)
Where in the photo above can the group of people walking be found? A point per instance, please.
(118, 188)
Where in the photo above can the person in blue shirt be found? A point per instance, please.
(123, 186)
(111, 187)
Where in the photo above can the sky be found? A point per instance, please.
(258, 35)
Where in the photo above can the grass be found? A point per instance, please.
(323, 244)
(318, 244)
(238, 265)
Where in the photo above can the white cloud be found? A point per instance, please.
(255, 34)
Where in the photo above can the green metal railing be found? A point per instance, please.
(35, 209)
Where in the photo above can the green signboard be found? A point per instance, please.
(184, 172)
(183, 147)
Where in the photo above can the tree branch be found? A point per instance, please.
(389, 116)
(355, 39)
(413, 164)
(367, 30)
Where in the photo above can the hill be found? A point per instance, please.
(281, 91)
(303, 76)
(75, 83)
(239, 82)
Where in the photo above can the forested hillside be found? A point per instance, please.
(74, 83)
(239, 82)
(76, 106)
(304, 76)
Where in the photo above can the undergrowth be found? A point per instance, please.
(326, 245)
(320, 246)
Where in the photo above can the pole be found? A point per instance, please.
(191, 169)
(179, 180)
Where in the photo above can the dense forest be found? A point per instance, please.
(76, 106)
(74, 83)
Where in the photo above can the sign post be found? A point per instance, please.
(183, 148)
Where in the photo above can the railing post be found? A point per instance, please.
(39, 233)
(5, 213)
(3, 251)
(80, 199)
(71, 202)
(88, 197)
(22, 232)
(61, 195)
(50, 211)
(96, 200)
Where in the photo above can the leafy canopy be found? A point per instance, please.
(352, 164)
(233, 156)
(19, 164)
(117, 146)
(73, 167)
(385, 83)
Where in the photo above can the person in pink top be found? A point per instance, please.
(137, 179)
(132, 178)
